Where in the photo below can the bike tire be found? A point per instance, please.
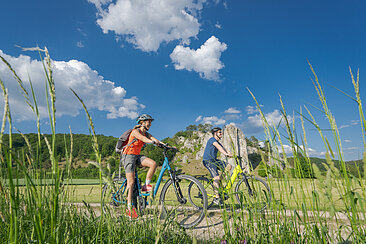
(260, 198)
(185, 213)
(113, 196)
(209, 188)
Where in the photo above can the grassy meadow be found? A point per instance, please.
(91, 194)
(327, 208)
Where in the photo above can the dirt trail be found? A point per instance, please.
(213, 226)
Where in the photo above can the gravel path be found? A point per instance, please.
(213, 226)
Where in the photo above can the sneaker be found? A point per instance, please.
(147, 188)
(131, 213)
(218, 201)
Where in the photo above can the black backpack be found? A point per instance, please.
(122, 141)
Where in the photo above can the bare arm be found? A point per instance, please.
(147, 139)
(136, 133)
(222, 150)
(156, 141)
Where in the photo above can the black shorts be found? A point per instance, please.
(214, 167)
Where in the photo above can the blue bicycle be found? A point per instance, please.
(183, 198)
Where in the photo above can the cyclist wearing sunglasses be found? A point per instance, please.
(213, 164)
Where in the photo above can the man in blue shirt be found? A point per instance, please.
(211, 162)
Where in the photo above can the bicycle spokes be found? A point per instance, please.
(184, 201)
(253, 193)
(115, 195)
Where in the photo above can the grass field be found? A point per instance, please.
(298, 191)
(22, 182)
(91, 193)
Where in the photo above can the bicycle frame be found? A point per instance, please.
(237, 171)
(166, 166)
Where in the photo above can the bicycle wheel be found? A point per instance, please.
(176, 200)
(114, 195)
(257, 196)
(209, 188)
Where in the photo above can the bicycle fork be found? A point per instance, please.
(250, 191)
(178, 191)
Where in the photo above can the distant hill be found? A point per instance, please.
(81, 146)
(354, 167)
(190, 142)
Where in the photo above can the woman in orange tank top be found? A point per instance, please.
(131, 158)
(135, 146)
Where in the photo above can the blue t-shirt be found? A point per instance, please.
(210, 153)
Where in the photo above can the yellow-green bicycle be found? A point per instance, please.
(250, 192)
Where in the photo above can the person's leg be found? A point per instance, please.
(228, 167)
(151, 164)
(131, 210)
(212, 168)
(130, 183)
(129, 163)
(216, 183)
(224, 169)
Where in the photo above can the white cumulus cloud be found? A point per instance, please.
(310, 152)
(147, 24)
(254, 123)
(232, 111)
(252, 109)
(213, 120)
(96, 92)
(286, 149)
(198, 118)
(205, 60)
(273, 118)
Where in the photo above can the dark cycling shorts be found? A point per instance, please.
(214, 167)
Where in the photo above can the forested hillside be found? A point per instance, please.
(80, 146)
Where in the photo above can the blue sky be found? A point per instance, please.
(187, 62)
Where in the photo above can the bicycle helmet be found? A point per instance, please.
(215, 129)
(144, 117)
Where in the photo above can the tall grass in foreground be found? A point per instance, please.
(40, 211)
(325, 208)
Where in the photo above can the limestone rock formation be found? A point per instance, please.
(234, 140)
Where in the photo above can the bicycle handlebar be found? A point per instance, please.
(166, 147)
(235, 156)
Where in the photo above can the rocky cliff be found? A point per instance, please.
(193, 146)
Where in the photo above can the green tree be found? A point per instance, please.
(262, 169)
(191, 127)
(204, 128)
(302, 167)
(254, 141)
